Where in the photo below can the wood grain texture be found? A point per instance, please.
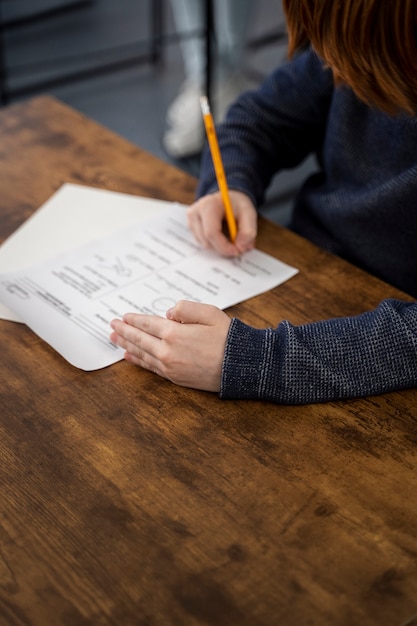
(128, 501)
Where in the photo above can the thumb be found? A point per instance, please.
(245, 241)
(247, 219)
(187, 312)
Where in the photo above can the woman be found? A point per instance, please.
(348, 95)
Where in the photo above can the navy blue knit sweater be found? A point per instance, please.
(361, 206)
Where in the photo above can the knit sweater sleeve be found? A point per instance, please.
(350, 357)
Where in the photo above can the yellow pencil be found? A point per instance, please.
(218, 166)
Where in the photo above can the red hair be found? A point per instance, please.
(371, 46)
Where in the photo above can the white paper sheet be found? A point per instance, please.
(72, 216)
(70, 299)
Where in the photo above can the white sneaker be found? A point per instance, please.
(186, 104)
(184, 140)
(185, 135)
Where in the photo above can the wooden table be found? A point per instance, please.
(128, 501)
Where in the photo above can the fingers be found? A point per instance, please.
(247, 224)
(206, 221)
(152, 325)
(187, 312)
(140, 346)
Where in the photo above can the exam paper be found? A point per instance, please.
(70, 299)
(72, 216)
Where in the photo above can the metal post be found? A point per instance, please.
(209, 35)
(4, 95)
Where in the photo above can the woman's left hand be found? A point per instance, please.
(186, 347)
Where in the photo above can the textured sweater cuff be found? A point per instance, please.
(247, 352)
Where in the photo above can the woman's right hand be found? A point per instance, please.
(206, 219)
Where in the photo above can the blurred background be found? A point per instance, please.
(120, 63)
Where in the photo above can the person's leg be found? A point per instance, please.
(232, 21)
(185, 135)
(189, 18)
